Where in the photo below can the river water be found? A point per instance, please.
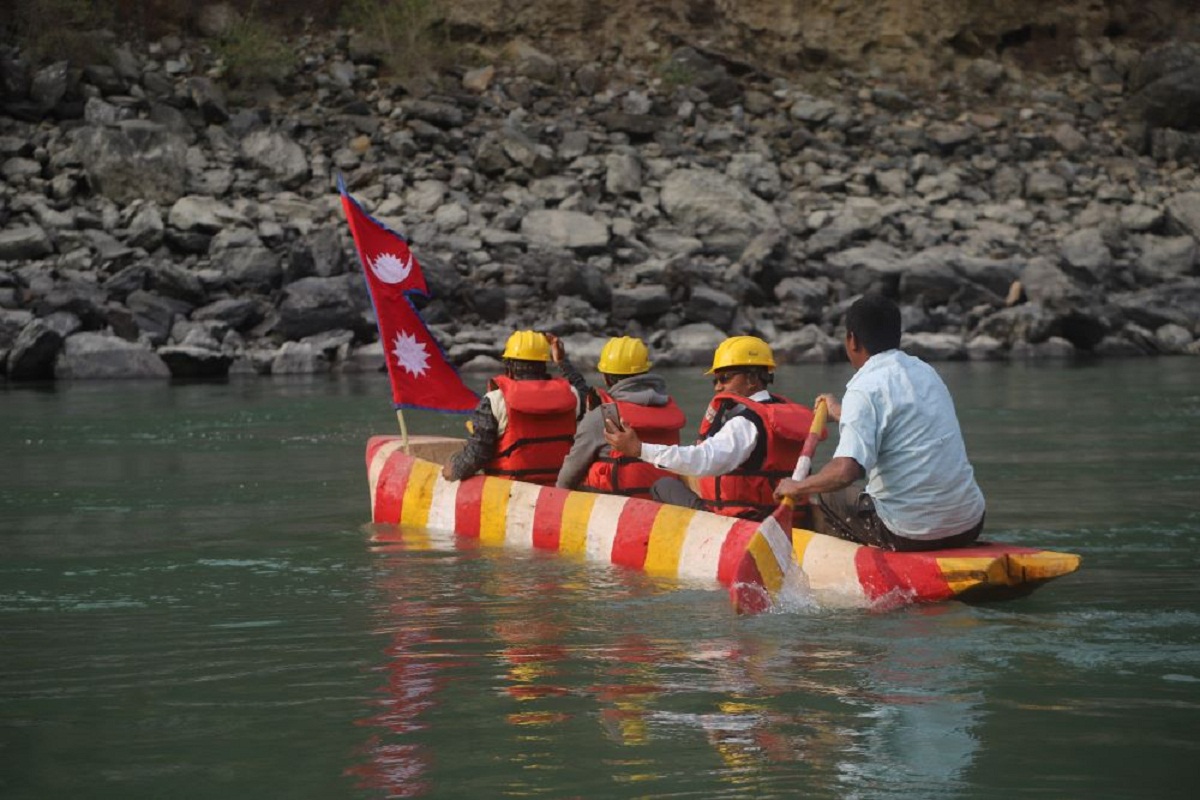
(191, 606)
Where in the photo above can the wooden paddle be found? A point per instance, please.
(760, 574)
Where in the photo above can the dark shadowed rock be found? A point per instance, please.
(643, 303)
(807, 297)
(187, 361)
(1165, 87)
(713, 306)
(209, 99)
(155, 314)
(19, 244)
(239, 313)
(33, 353)
(314, 305)
(639, 127)
(1177, 303)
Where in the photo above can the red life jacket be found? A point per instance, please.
(614, 473)
(541, 427)
(748, 490)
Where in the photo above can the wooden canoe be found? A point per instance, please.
(694, 547)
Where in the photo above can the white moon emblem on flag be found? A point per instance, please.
(410, 354)
(389, 268)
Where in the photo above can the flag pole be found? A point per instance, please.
(403, 429)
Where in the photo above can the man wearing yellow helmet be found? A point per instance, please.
(642, 403)
(749, 438)
(524, 425)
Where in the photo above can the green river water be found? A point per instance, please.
(191, 607)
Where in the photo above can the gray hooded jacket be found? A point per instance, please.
(647, 389)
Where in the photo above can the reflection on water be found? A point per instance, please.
(538, 648)
(189, 608)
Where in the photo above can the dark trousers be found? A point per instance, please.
(850, 514)
(675, 492)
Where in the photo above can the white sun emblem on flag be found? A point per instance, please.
(390, 268)
(410, 354)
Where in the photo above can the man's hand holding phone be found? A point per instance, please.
(610, 414)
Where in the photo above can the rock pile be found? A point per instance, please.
(149, 227)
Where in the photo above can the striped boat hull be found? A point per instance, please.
(688, 545)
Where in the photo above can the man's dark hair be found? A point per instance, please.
(521, 370)
(875, 322)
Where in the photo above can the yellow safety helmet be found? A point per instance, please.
(527, 346)
(624, 355)
(742, 351)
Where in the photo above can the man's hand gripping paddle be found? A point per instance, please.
(768, 557)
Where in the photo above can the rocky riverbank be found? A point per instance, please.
(151, 226)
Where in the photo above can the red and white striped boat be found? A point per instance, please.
(694, 547)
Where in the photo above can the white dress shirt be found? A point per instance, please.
(719, 454)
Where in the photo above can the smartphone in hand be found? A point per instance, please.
(608, 412)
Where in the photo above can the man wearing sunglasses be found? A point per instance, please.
(749, 438)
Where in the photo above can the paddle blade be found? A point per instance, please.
(759, 575)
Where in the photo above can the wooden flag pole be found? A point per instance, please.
(403, 430)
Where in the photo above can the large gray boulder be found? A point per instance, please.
(278, 155)
(315, 305)
(101, 355)
(573, 230)
(716, 207)
(132, 160)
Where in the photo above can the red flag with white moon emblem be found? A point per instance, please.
(421, 375)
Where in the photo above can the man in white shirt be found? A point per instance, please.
(898, 428)
(749, 438)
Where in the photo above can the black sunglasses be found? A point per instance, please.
(721, 378)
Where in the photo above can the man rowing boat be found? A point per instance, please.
(897, 428)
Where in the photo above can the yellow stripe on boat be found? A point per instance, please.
(963, 573)
(666, 540)
(576, 513)
(418, 495)
(800, 540)
(493, 513)
(1011, 569)
(1042, 565)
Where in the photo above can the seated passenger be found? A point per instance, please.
(525, 423)
(642, 403)
(749, 438)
